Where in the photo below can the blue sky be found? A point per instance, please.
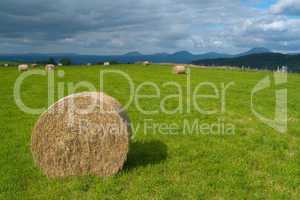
(264, 4)
(148, 26)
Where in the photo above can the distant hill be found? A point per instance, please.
(261, 61)
(258, 50)
(131, 57)
(134, 53)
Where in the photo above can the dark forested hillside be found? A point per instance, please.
(260, 61)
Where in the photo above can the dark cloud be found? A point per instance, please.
(149, 26)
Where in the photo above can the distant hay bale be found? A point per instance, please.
(106, 63)
(60, 64)
(69, 142)
(34, 65)
(179, 69)
(146, 63)
(6, 65)
(49, 67)
(23, 67)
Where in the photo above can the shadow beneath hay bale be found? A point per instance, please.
(146, 153)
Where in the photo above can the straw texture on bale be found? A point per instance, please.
(179, 69)
(23, 67)
(68, 141)
(49, 67)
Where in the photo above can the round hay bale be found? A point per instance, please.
(23, 67)
(68, 141)
(146, 63)
(106, 63)
(49, 67)
(34, 65)
(179, 69)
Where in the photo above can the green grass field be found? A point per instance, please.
(256, 162)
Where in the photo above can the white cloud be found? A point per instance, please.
(288, 7)
(275, 32)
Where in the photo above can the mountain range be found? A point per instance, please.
(131, 57)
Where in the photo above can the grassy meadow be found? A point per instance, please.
(256, 162)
